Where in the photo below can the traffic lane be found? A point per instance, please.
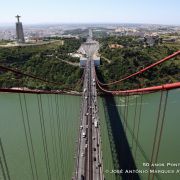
(83, 126)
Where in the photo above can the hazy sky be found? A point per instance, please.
(89, 11)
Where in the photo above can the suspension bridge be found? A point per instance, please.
(94, 145)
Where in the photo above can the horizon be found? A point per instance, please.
(162, 12)
(82, 23)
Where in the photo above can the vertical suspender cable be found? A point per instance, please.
(162, 125)
(127, 109)
(161, 129)
(120, 105)
(134, 123)
(139, 120)
(155, 134)
(26, 136)
(2, 168)
(55, 142)
(137, 144)
(4, 159)
(124, 115)
(30, 135)
(43, 136)
(52, 128)
(59, 135)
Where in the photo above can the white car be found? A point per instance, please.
(84, 134)
(85, 90)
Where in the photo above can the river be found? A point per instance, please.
(51, 132)
(138, 115)
(39, 134)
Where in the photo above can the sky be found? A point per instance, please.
(91, 11)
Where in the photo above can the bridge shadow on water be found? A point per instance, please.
(121, 152)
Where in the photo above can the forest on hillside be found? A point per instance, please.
(132, 56)
(45, 61)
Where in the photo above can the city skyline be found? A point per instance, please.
(69, 11)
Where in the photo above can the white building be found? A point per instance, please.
(83, 61)
(96, 60)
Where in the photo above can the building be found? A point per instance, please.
(115, 46)
(19, 31)
(95, 58)
(83, 61)
(171, 40)
(151, 40)
(85, 51)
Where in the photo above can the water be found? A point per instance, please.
(141, 143)
(51, 135)
(56, 124)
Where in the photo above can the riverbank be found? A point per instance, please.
(37, 91)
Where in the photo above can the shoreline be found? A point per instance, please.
(37, 91)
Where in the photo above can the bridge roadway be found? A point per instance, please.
(89, 155)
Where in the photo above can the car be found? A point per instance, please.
(99, 164)
(84, 134)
